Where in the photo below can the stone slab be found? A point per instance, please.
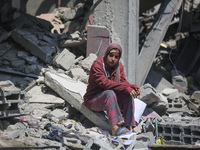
(97, 40)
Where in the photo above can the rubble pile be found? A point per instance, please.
(44, 73)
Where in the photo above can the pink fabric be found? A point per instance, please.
(113, 104)
(107, 100)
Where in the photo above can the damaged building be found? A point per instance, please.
(48, 47)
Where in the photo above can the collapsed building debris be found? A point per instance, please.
(50, 62)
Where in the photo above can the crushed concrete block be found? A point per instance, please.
(181, 131)
(65, 59)
(179, 81)
(171, 94)
(148, 94)
(177, 106)
(162, 106)
(87, 62)
(10, 98)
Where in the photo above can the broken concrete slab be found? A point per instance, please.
(28, 39)
(37, 94)
(73, 91)
(97, 40)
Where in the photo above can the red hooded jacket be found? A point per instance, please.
(99, 82)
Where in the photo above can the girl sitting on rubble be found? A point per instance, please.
(109, 90)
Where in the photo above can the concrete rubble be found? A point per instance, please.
(44, 69)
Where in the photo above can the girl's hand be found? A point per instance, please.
(133, 93)
(138, 91)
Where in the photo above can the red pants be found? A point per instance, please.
(113, 104)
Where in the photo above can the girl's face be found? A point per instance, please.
(113, 57)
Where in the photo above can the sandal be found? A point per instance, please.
(120, 130)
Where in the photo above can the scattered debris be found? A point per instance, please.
(44, 69)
